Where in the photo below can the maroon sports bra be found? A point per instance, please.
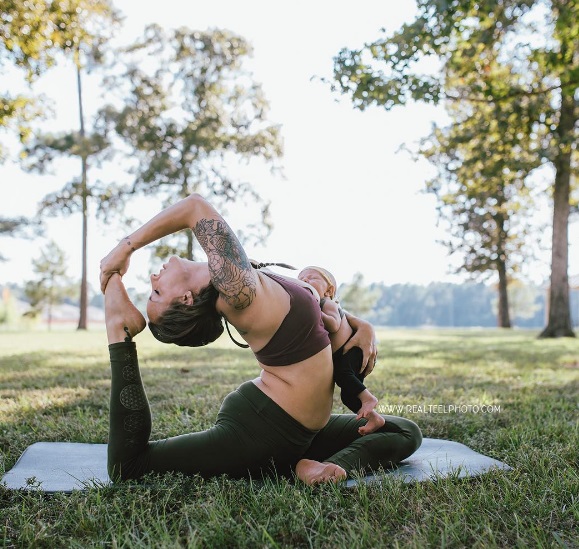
(301, 335)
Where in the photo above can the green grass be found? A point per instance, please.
(54, 386)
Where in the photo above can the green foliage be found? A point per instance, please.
(47, 150)
(17, 227)
(33, 34)
(187, 111)
(461, 305)
(509, 72)
(357, 298)
(55, 387)
(16, 114)
(52, 284)
(484, 160)
(465, 36)
(80, 30)
(523, 300)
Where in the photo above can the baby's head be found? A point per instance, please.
(321, 279)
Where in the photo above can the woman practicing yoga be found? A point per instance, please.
(280, 422)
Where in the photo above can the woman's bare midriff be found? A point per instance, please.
(304, 390)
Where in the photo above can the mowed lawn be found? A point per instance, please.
(506, 394)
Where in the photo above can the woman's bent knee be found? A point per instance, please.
(415, 435)
(411, 435)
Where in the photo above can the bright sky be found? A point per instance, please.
(349, 201)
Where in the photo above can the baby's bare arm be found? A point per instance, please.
(331, 316)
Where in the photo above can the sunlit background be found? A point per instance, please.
(349, 198)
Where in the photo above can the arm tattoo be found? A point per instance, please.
(129, 244)
(230, 269)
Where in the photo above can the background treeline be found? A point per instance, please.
(439, 304)
(451, 305)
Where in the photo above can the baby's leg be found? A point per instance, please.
(373, 423)
(374, 419)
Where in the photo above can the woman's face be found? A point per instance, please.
(315, 279)
(178, 279)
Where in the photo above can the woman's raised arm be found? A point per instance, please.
(230, 269)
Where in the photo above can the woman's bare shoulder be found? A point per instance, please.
(267, 309)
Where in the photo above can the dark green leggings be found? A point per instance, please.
(252, 436)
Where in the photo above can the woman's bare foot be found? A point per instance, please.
(121, 316)
(374, 422)
(314, 472)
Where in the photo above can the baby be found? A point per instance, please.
(347, 366)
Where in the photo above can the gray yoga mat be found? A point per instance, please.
(67, 466)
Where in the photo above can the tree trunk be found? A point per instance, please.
(82, 320)
(83, 316)
(504, 318)
(559, 322)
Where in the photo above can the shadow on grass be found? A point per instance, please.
(50, 393)
(64, 396)
(456, 351)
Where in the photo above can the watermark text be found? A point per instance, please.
(395, 409)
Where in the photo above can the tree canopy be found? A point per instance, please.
(34, 34)
(186, 107)
(521, 58)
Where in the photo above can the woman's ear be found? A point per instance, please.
(187, 299)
